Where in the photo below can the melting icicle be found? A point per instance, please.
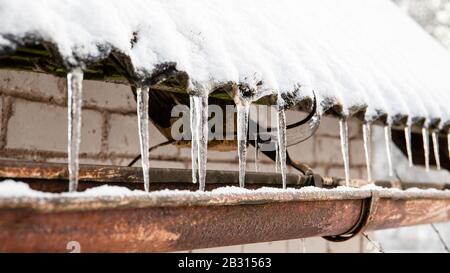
(202, 140)
(194, 139)
(343, 130)
(144, 139)
(256, 139)
(282, 143)
(199, 128)
(408, 144)
(243, 110)
(75, 90)
(368, 149)
(243, 101)
(435, 139)
(387, 140)
(426, 148)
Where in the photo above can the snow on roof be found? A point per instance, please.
(351, 52)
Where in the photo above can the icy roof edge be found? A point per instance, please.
(164, 70)
(356, 62)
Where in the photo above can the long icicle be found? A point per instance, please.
(243, 110)
(282, 143)
(144, 139)
(256, 138)
(368, 149)
(74, 101)
(343, 130)
(426, 147)
(435, 139)
(388, 140)
(194, 138)
(201, 105)
(408, 144)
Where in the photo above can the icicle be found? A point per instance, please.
(256, 152)
(387, 139)
(199, 128)
(243, 98)
(426, 148)
(282, 143)
(408, 144)
(202, 141)
(74, 101)
(343, 129)
(242, 127)
(368, 149)
(277, 157)
(256, 112)
(194, 139)
(144, 140)
(435, 139)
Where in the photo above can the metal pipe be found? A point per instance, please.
(158, 229)
(50, 177)
(169, 222)
(161, 222)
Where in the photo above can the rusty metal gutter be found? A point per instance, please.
(52, 177)
(163, 221)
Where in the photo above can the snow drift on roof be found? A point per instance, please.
(352, 52)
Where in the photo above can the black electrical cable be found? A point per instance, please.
(151, 149)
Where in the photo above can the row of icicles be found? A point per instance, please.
(388, 144)
(199, 129)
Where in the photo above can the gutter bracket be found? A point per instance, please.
(368, 211)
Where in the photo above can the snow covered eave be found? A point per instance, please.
(32, 54)
(363, 58)
(36, 55)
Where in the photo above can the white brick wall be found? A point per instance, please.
(112, 97)
(40, 126)
(33, 85)
(328, 150)
(357, 158)
(122, 135)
